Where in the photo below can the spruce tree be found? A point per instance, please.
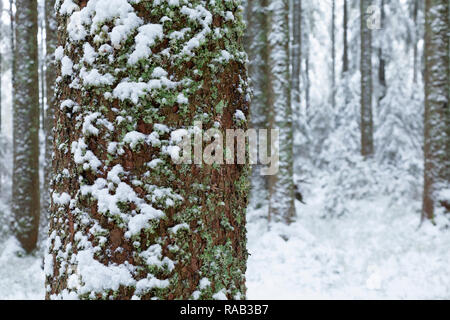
(51, 41)
(257, 49)
(26, 201)
(437, 114)
(126, 220)
(281, 185)
(367, 147)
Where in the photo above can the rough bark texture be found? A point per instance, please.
(26, 186)
(367, 147)
(257, 49)
(126, 221)
(437, 114)
(51, 28)
(281, 185)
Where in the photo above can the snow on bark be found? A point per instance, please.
(257, 49)
(127, 222)
(367, 147)
(437, 114)
(26, 202)
(281, 185)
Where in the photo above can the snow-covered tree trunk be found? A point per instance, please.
(367, 147)
(306, 32)
(51, 29)
(26, 186)
(281, 185)
(257, 45)
(126, 220)
(437, 114)
(296, 53)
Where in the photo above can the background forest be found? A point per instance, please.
(359, 90)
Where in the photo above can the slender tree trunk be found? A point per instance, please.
(281, 185)
(306, 52)
(126, 220)
(257, 48)
(296, 54)
(345, 64)
(308, 80)
(1, 75)
(51, 29)
(437, 114)
(381, 60)
(333, 54)
(26, 202)
(42, 73)
(367, 147)
(416, 39)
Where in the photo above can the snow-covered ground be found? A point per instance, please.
(375, 252)
(21, 276)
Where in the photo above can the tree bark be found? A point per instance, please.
(281, 185)
(416, 39)
(126, 220)
(437, 114)
(26, 202)
(381, 59)
(51, 31)
(367, 147)
(345, 64)
(257, 48)
(333, 54)
(296, 54)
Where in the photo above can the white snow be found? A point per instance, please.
(67, 7)
(375, 252)
(66, 66)
(133, 138)
(21, 276)
(147, 36)
(94, 78)
(61, 199)
(140, 221)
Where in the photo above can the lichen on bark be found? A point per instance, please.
(121, 208)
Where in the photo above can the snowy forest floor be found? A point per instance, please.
(376, 251)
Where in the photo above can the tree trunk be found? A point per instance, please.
(51, 29)
(26, 126)
(367, 147)
(42, 73)
(126, 220)
(1, 74)
(257, 48)
(333, 54)
(437, 114)
(296, 54)
(281, 185)
(345, 64)
(381, 59)
(416, 39)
